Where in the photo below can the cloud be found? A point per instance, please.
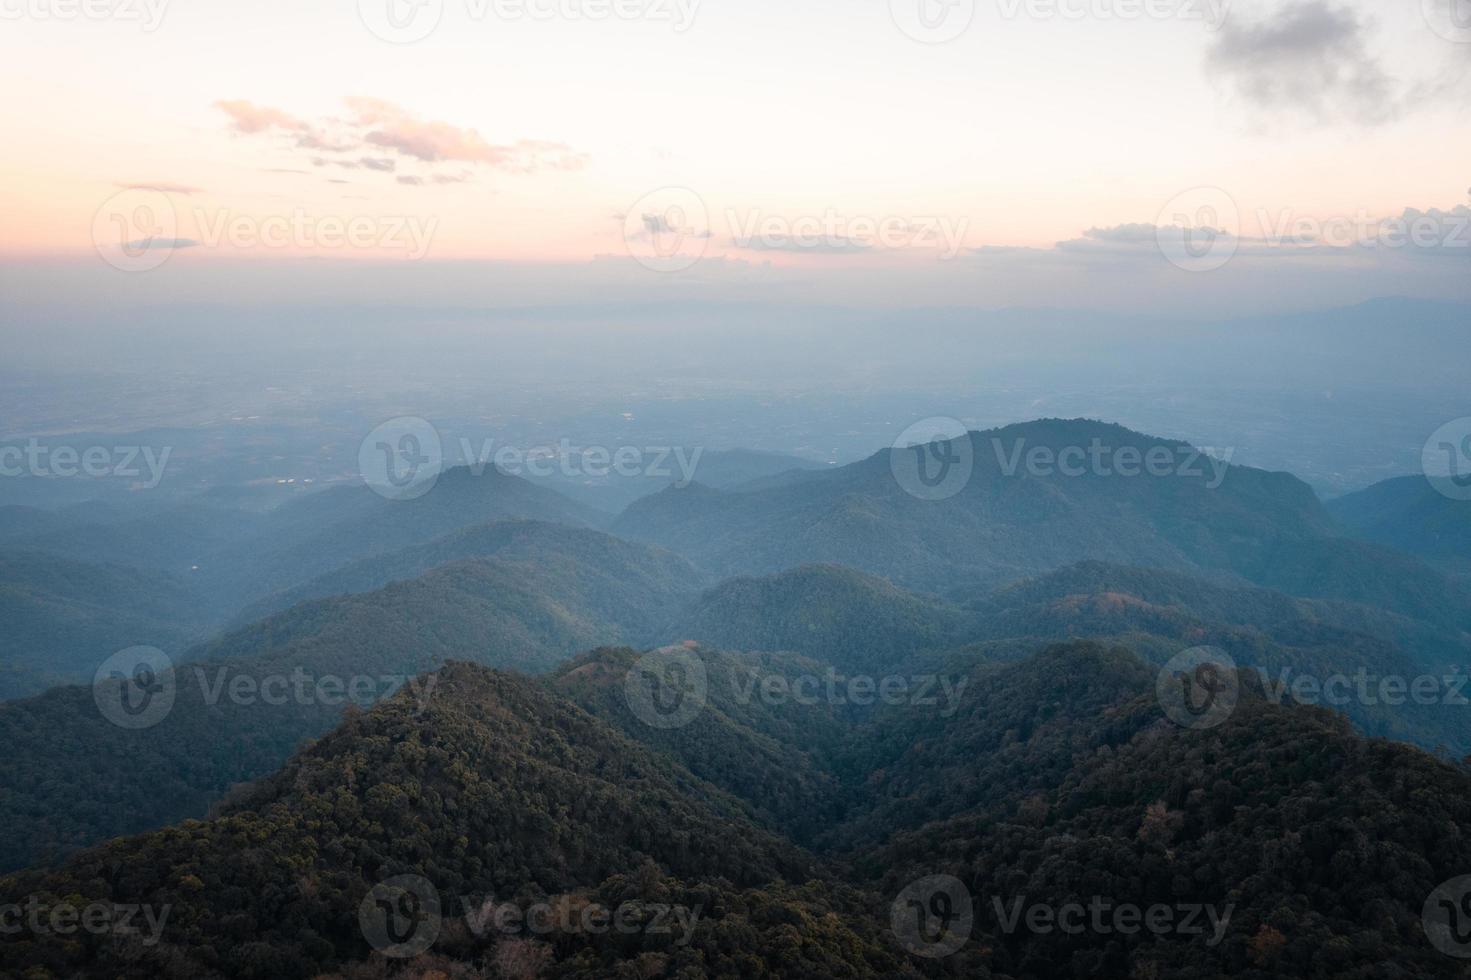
(394, 128)
(398, 133)
(815, 245)
(1308, 56)
(161, 243)
(411, 181)
(247, 117)
(162, 188)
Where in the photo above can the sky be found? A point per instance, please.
(1199, 155)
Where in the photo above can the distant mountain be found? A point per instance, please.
(1159, 613)
(1410, 515)
(237, 557)
(63, 618)
(506, 614)
(855, 622)
(614, 578)
(1012, 518)
(610, 493)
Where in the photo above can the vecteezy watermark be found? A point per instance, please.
(138, 687)
(667, 688)
(1199, 230)
(833, 233)
(1434, 229)
(401, 917)
(137, 230)
(933, 459)
(933, 917)
(1450, 19)
(42, 918)
(36, 458)
(1105, 917)
(861, 690)
(933, 21)
(1212, 13)
(135, 688)
(411, 235)
(402, 458)
(675, 463)
(1199, 688)
(408, 21)
(1447, 917)
(1100, 459)
(1369, 690)
(147, 14)
(1446, 459)
(667, 230)
(570, 916)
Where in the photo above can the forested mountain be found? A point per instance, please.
(1058, 781)
(73, 777)
(1410, 515)
(63, 618)
(615, 578)
(835, 614)
(1012, 518)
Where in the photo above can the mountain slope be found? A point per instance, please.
(616, 579)
(74, 778)
(64, 618)
(1013, 518)
(1409, 515)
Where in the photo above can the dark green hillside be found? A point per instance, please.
(1409, 515)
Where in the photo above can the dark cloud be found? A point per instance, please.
(1309, 57)
(162, 188)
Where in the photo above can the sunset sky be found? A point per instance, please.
(1041, 133)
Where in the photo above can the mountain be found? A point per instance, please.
(1276, 844)
(1158, 613)
(1410, 515)
(64, 618)
(853, 621)
(615, 579)
(75, 778)
(236, 557)
(1062, 782)
(611, 492)
(492, 788)
(1039, 496)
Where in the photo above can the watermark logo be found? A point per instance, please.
(1212, 13)
(933, 917)
(933, 21)
(1450, 19)
(674, 463)
(136, 230)
(667, 230)
(41, 918)
(667, 688)
(1199, 687)
(1209, 466)
(1369, 690)
(565, 916)
(831, 233)
(135, 688)
(301, 230)
(861, 690)
(402, 458)
(1447, 917)
(1105, 917)
(148, 14)
(401, 917)
(145, 465)
(401, 21)
(933, 459)
(1199, 230)
(1446, 459)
